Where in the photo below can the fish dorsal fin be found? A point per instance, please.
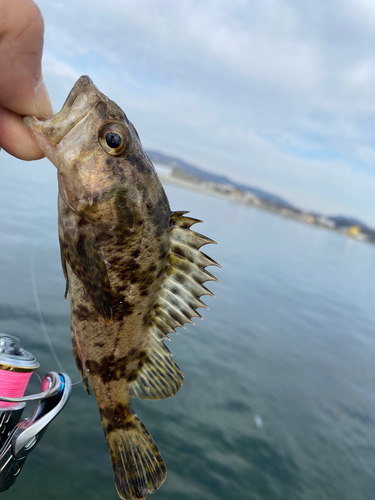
(182, 286)
(176, 304)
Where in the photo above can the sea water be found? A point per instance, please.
(278, 401)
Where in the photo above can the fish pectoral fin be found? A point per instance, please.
(88, 265)
(158, 377)
(138, 467)
(65, 271)
(66, 289)
(81, 365)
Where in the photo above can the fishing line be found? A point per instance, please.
(46, 335)
(37, 374)
(36, 299)
(79, 381)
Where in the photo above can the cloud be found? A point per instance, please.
(275, 92)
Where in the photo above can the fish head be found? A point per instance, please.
(89, 141)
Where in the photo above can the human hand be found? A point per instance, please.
(22, 89)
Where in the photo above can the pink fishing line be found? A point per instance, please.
(13, 385)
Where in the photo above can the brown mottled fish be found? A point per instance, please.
(133, 270)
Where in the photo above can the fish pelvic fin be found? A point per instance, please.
(78, 356)
(158, 376)
(138, 467)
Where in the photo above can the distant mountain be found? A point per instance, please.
(218, 179)
(343, 221)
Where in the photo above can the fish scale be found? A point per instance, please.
(134, 272)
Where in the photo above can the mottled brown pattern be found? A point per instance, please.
(111, 368)
(110, 209)
(115, 227)
(118, 417)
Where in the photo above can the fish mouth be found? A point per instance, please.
(83, 97)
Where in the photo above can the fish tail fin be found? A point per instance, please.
(138, 467)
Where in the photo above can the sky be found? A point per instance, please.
(278, 94)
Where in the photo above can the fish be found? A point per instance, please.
(134, 272)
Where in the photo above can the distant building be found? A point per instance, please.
(309, 219)
(252, 199)
(237, 192)
(224, 188)
(325, 222)
(353, 231)
(288, 212)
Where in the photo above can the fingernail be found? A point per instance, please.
(43, 101)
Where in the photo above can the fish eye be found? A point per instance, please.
(114, 139)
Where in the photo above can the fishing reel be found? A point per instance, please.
(19, 437)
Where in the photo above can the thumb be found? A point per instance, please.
(22, 89)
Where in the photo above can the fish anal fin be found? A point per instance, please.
(158, 376)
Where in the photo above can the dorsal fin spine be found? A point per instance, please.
(211, 277)
(167, 317)
(159, 333)
(178, 214)
(194, 287)
(161, 326)
(186, 222)
(190, 268)
(192, 238)
(175, 315)
(192, 254)
(178, 302)
(168, 306)
(174, 286)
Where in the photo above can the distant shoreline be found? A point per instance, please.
(191, 186)
(180, 173)
(252, 201)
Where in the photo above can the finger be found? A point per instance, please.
(22, 89)
(15, 138)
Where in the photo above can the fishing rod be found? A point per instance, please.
(19, 437)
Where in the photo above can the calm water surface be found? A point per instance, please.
(290, 338)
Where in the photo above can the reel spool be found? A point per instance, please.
(19, 437)
(16, 368)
